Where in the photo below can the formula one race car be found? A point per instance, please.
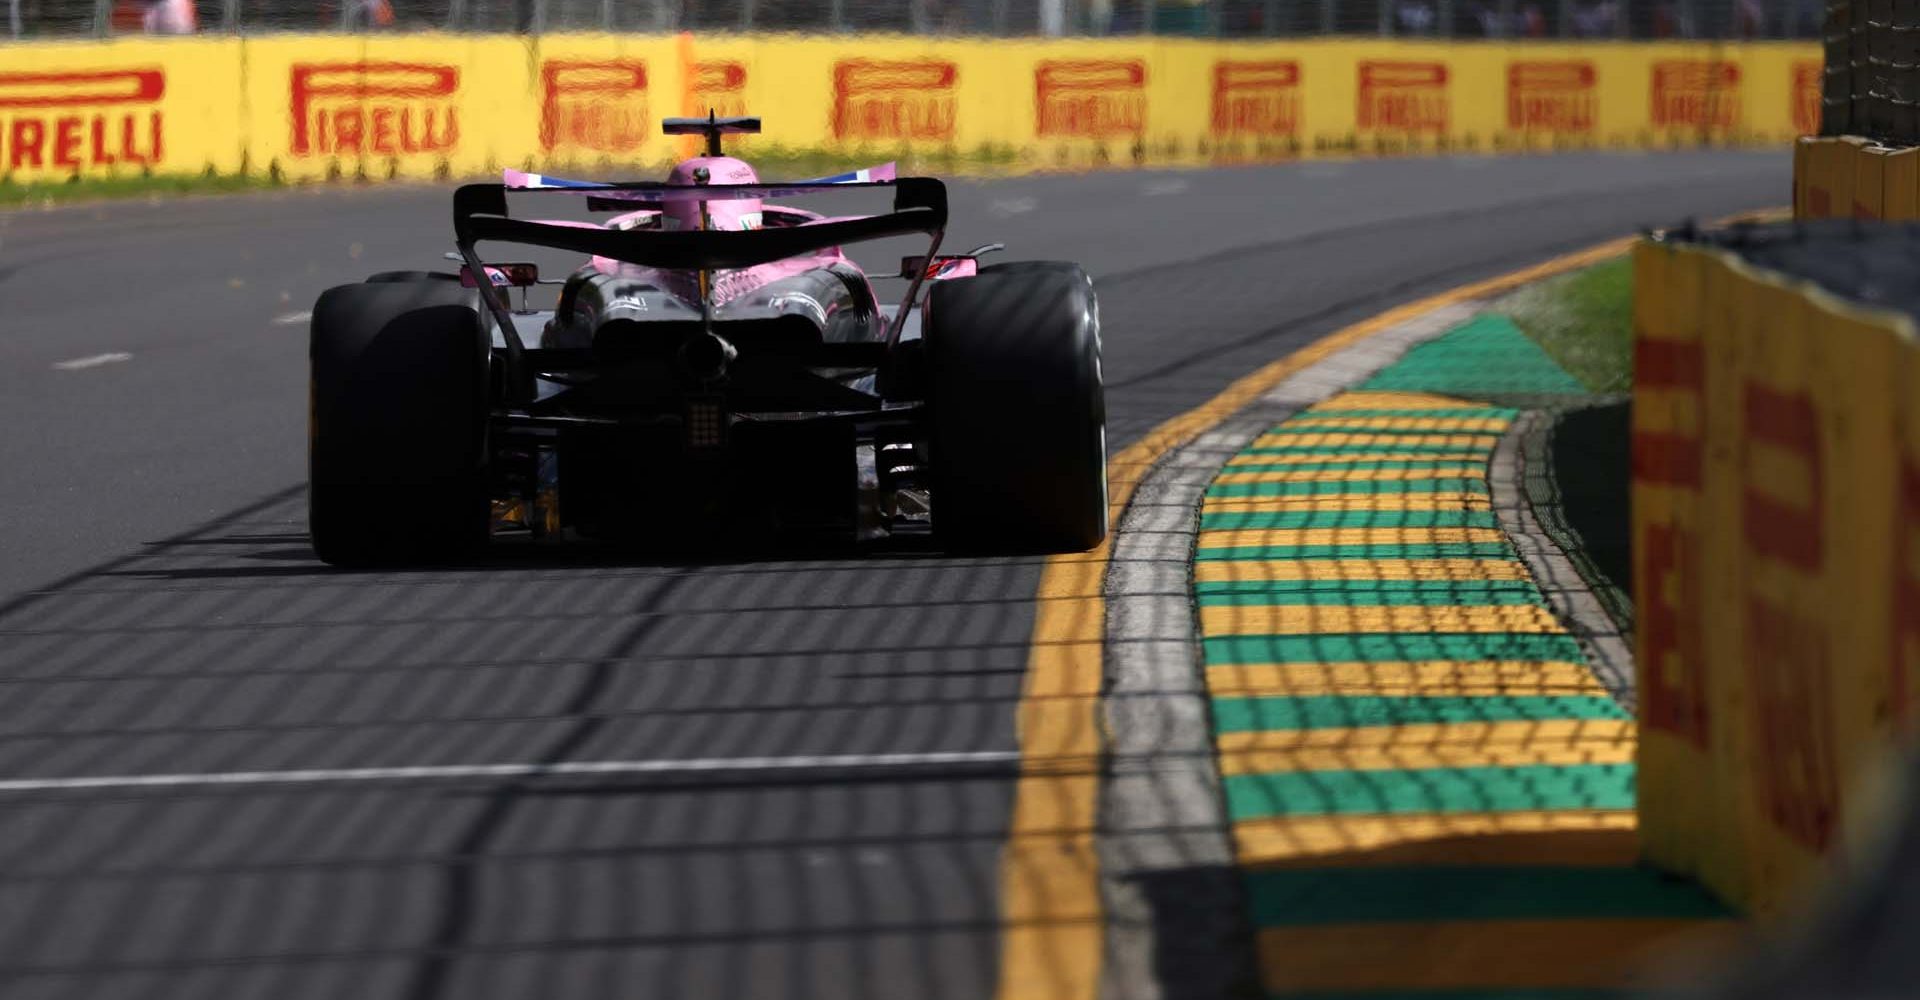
(717, 365)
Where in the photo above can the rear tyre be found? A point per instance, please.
(396, 458)
(1016, 408)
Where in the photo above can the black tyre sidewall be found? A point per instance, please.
(397, 430)
(1017, 411)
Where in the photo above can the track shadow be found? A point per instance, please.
(811, 758)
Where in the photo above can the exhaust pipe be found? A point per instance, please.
(706, 356)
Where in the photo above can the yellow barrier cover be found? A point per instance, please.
(424, 105)
(1775, 495)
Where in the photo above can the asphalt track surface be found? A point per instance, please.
(810, 759)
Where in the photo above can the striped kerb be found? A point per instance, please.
(1430, 791)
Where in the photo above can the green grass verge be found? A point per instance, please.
(773, 165)
(1584, 321)
(45, 193)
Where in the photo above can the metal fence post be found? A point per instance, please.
(1566, 18)
(1270, 18)
(1328, 17)
(1386, 17)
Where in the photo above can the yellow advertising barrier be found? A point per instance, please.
(1849, 177)
(1775, 429)
(377, 106)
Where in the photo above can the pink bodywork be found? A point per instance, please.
(726, 214)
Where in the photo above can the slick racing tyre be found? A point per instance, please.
(1017, 413)
(396, 458)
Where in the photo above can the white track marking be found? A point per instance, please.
(1172, 185)
(1014, 206)
(291, 318)
(92, 361)
(344, 775)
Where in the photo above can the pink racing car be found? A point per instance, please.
(717, 365)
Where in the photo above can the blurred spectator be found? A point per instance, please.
(1414, 17)
(1749, 19)
(1672, 21)
(1596, 20)
(369, 14)
(1533, 21)
(1483, 19)
(1127, 18)
(1808, 19)
(155, 17)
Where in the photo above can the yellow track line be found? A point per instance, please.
(1349, 501)
(1423, 758)
(1294, 619)
(1325, 439)
(1333, 419)
(1317, 458)
(1435, 735)
(1401, 678)
(1050, 882)
(1248, 570)
(1393, 401)
(1456, 471)
(1228, 538)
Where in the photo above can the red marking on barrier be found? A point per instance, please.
(1696, 93)
(1669, 364)
(1256, 98)
(113, 119)
(1906, 592)
(1808, 77)
(1668, 458)
(1662, 459)
(597, 105)
(383, 108)
(1555, 96)
(83, 89)
(1406, 96)
(1675, 700)
(1789, 681)
(1090, 98)
(1862, 210)
(1793, 535)
(720, 85)
(894, 99)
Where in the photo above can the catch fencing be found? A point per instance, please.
(1544, 19)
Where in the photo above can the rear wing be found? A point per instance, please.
(480, 215)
